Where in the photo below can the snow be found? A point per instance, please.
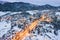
(58, 37)
(44, 37)
(33, 12)
(57, 13)
(2, 13)
(15, 12)
(11, 13)
(52, 35)
(4, 27)
(16, 28)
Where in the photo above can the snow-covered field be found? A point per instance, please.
(4, 27)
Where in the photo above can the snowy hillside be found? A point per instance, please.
(12, 22)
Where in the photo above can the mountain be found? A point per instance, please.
(21, 6)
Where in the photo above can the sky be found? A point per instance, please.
(38, 2)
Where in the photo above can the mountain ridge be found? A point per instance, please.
(21, 6)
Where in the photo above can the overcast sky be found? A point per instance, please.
(38, 2)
